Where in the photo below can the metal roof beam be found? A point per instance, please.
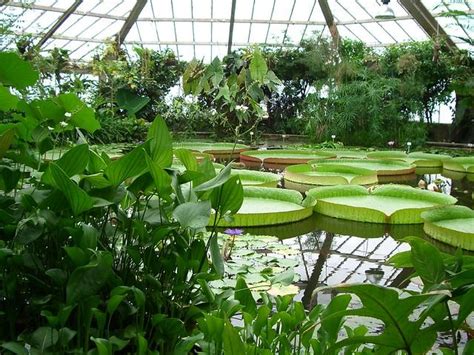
(328, 16)
(424, 18)
(58, 23)
(137, 9)
(231, 26)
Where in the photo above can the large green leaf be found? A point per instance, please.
(397, 204)
(244, 296)
(257, 178)
(461, 164)
(16, 72)
(82, 116)
(428, 262)
(8, 101)
(78, 199)
(130, 101)
(6, 139)
(382, 166)
(453, 225)
(187, 158)
(258, 66)
(396, 312)
(160, 177)
(233, 344)
(160, 143)
(130, 165)
(73, 162)
(228, 198)
(217, 181)
(216, 255)
(193, 214)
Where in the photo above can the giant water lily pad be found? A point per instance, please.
(453, 225)
(347, 153)
(220, 151)
(281, 158)
(395, 204)
(419, 159)
(113, 151)
(257, 178)
(461, 164)
(381, 166)
(269, 206)
(304, 176)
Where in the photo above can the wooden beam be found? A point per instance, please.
(58, 23)
(426, 20)
(231, 27)
(330, 21)
(127, 26)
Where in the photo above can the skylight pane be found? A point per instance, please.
(202, 8)
(302, 10)
(258, 33)
(147, 31)
(202, 31)
(282, 10)
(294, 33)
(166, 31)
(184, 31)
(379, 32)
(241, 32)
(263, 10)
(203, 53)
(276, 33)
(222, 9)
(221, 32)
(243, 9)
(182, 8)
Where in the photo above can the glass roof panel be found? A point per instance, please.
(302, 9)
(243, 9)
(166, 31)
(202, 8)
(241, 32)
(258, 33)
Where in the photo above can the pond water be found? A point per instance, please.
(333, 251)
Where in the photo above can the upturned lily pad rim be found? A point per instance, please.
(445, 234)
(374, 214)
(276, 156)
(263, 178)
(212, 148)
(296, 174)
(394, 166)
(460, 164)
(270, 218)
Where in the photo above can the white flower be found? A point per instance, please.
(213, 111)
(242, 108)
(409, 144)
(283, 136)
(68, 114)
(333, 136)
(50, 128)
(251, 133)
(263, 106)
(390, 143)
(265, 115)
(63, 124)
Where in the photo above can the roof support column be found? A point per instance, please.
(58, 23)
(330, 21)
(131, 19)
(426, 20)
(231, 27)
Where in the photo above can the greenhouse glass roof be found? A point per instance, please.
(201, 28)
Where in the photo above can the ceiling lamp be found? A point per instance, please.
(386, 13)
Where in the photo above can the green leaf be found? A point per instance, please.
(82, 116)
(78, 199)
(219, 180)
(44, 337)
(427, 262)
(187, 158)
(193, 215)
(131, 102)
(6, 139)
(15, 348)
(160, 177)
(8, 101)
(228, 198)
(89, 279)
(130, 165)
(16, 72)
(244, 296)
(233, 344)
(160, 143)
(258, 66)
(73, 162)
(216, 256)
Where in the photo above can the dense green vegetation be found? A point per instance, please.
(107, 256)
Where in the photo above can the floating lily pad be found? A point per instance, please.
(257, 178)
(395, 204)
(113, 151)
(220, 151)
(381, 166)
(348, 154)
(269, 206)
(419, 159)
(305, 176)
(453, 225)
(279, 158)
(461, 164)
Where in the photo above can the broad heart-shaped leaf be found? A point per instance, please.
(73, 162)
(44, 337)
(187, 158)
(216, 255)
(228, 198)
(219, 180)
(16, 72)
(130, 165)
(82, 115)
(193, 214)
(87, 280)
(258, 66)
(160, 143)
(428, 262)
(131, 102)
(233, 344)
(8, 101)
(160, 177)
(244, 296)
(78, 199)
(385, 304)
(6, 140)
